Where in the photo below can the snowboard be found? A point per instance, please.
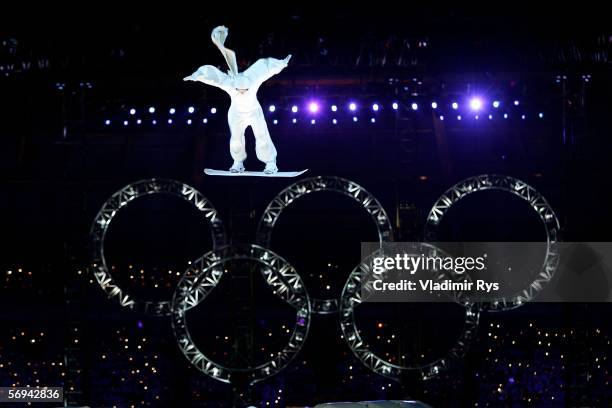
(213, 172)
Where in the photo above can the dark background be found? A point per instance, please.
(64, 74)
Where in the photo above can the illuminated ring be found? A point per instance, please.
(351, 298)
(204, 274)
(307, 186)
(119, 200)
(535, 200)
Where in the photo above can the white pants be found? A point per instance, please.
(238, 122)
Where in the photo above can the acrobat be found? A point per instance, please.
(245, 109)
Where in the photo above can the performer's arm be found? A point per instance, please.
(265, 68)
(210, 76)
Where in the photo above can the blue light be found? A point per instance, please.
(441, 117)
(189, 121)
(395, 106)
(523, 117)
(125, 123)
(172, 111)
(312, 121)
(540, 115)
(505, 116)
(132, 111)
(272, 108)
(476, 103)
(294, 120)
(414, 106)
(169, 121)
(375, 107)
(434, 105)
(373, 120)
(496, 104)
(458, 117)
(191, 109)
(516, 103)
(205, 120)
(313, 107)
(138, 122)
(490, 117)
(154, 122)
(355, 119)
(107, 122)
(294, 109)
(476, 117)
(455, 105)
(334, 108)
(151, 110)
(334, 121)
(275, 121)
(352, 106)
(213, 110)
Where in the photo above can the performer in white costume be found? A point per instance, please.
(245, 109)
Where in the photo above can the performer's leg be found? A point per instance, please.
(237, 145)
(264, 147)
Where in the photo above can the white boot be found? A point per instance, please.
(270, 167)
(237, 167)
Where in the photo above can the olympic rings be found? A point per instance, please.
(535, 200)
(310, 185)
(119, 200)
(352, 297)
(204, 274)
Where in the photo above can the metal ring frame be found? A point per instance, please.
(352, 297)
(311, 185)
(535, 200)
(110, 209)
(203, 276)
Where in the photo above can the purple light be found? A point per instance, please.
(496, 104)
(139, 324)
(272, 108)
(151, 110)
(414, 106)
(139, 121)
(169, 121)
(107, 122)
(294, 109)
(294, 120)
(541, 115)
(395, 106)
(355, 119)
(189, 121)
(334, 108)
(458, 117)
(125, 123)
(516, 103)
(205, 120)
(434, 105)
(213, 110)
(352, 106)
(455, 105)
(132, 111)
(476, 104)
(191, 109)
(275, 121)
(172, 111)
(373, 120)
(375, 107)
(313, 107)
(441, 117)
(334, 121)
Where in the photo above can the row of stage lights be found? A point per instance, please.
(476, 107)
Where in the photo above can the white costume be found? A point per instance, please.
(245, 109)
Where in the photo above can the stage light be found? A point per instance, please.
(334, 108)
(375, 107)
(213, 110)
(312, 122)
(395, 106)
(138, 122)
(373, 120)
(294, 120)
(496, 104)
(523, 117)
(334, 121)
(189, 121)
(154, 122)
(125, 123)
(505, 116)
(476, 103)
(441, 117)
(205, 120)
(355, 119)
(169, 121)
(294, 109)
(455, 105)
(275, 121)
(191, 109)
(132, 111)
(151, 110)
(352, 106)
(414, 106)
(476, 117)
(434, 105)
(541, 115)
(107, 122)
(458, 117)
(172, 111)
(490, 117)
(313, 107)
(516, 103)
(272, 108)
